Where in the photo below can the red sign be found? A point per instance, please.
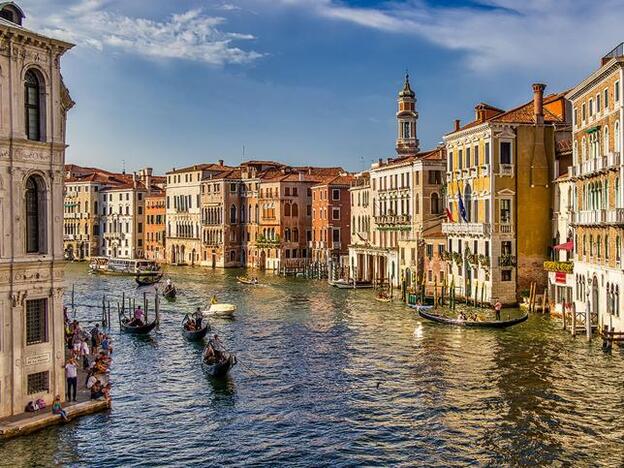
(560, 277)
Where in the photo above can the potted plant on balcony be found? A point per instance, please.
(457, 258)
(507, 260)
(484, 261)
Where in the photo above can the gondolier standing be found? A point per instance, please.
(497, 308)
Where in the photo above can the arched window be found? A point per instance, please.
(233, 214)
(287, 209)
(605, 140)
(295, 209)
(575, 153)
(606, 247)
(32, 104)
(35, 215)
(584, 149)
(435, 203)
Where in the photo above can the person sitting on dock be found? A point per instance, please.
(106, 345)
(97, 391)
(57, 408)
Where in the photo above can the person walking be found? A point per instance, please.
(497, 308)
(84, 353)
(95, 338)
(71, 373)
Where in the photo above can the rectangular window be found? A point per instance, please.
(36, 321)
(606, 98)
(616, 92)
(505, 211)
(506, 248)
(487, 248)
(440, 250)
(583, 112)
(139, 210)
(233, 188)
(38, 382)
(505, 152)
(591, 107)
(336, 235)
(429, 250)
(505, 275)
(460, 159)
(294, 192)
(287, 191)
(597, 103)
(450, 162)
(476, 155)
(140, 228)
(309, 210)
(487, 152)
(468, 162)
(335, 194)
(336, 214)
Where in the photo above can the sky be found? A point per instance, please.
(166, 84)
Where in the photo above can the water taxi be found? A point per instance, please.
(124, 267)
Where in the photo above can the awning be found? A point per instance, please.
(567, 246)
(593, 129)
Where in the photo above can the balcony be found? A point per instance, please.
(393, 219)
(589, 217)
(506, 170)
(595, 166)
(336, 245)
(504, 228)
(506, 260)
(615, 216)
(114, 235)
(466, 229)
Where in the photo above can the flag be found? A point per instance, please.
(449, 215)
(462, 208)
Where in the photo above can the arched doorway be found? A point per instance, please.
(595, 297)
(263, 260)
(193, 257)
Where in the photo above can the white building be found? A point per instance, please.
(33, 108)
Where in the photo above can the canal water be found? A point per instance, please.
(332, 377)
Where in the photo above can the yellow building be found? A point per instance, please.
(598, 218)
(499, 177)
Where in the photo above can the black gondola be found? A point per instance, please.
(170, 292)
(148, 280)
(194, 335)
(221, 368)
(124, 325)
(471, 323)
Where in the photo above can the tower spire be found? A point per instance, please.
(407, 143)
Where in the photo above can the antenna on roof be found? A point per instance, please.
(123, 166)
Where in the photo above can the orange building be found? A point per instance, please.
(155, 226)
(331, 214)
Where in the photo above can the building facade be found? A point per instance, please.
(499, 175)
(598, 219)
(155, 226)
(33, 109)
(331, 221)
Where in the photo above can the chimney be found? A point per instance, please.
(457, 124)
(220, 162)
(538, 102)
(301, 177)
(134, 180)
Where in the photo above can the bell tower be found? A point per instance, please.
(407, 143)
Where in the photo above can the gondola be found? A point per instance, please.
(170, 292)
(420, 307)
(221, 368)
(148, 280)
(135, 330)
(245, 280)
(196, 335)
(473, 324)
(383, 298)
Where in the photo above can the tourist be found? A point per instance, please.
(97, 391)
(91, 381)
(57, 408)
(107, 392)
(71, 373)
(84, 353)
(497, 308)
(106, 344)
(95, 337)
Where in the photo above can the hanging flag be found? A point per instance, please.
(462, 208)
(449, 215)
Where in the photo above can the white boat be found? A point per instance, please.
(124, 266)
(220, 310)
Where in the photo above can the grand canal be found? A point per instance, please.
(331, 377)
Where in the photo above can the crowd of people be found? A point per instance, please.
(91, 351)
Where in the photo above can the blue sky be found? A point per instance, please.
(171, 83)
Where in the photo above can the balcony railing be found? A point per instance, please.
(596, 165)
(589, 217)
(462, 229)
(336, 245)
(393, 219)
(615, 216)
(506, 170)
(506, 260)
(559, 267)
(504, 228)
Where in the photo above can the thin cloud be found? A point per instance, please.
(191, 35)
(494, 33)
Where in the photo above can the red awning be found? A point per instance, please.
(567, 246)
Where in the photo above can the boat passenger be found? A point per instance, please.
(139, 316)
(497, 308)
(198, 316)
(462, 316)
